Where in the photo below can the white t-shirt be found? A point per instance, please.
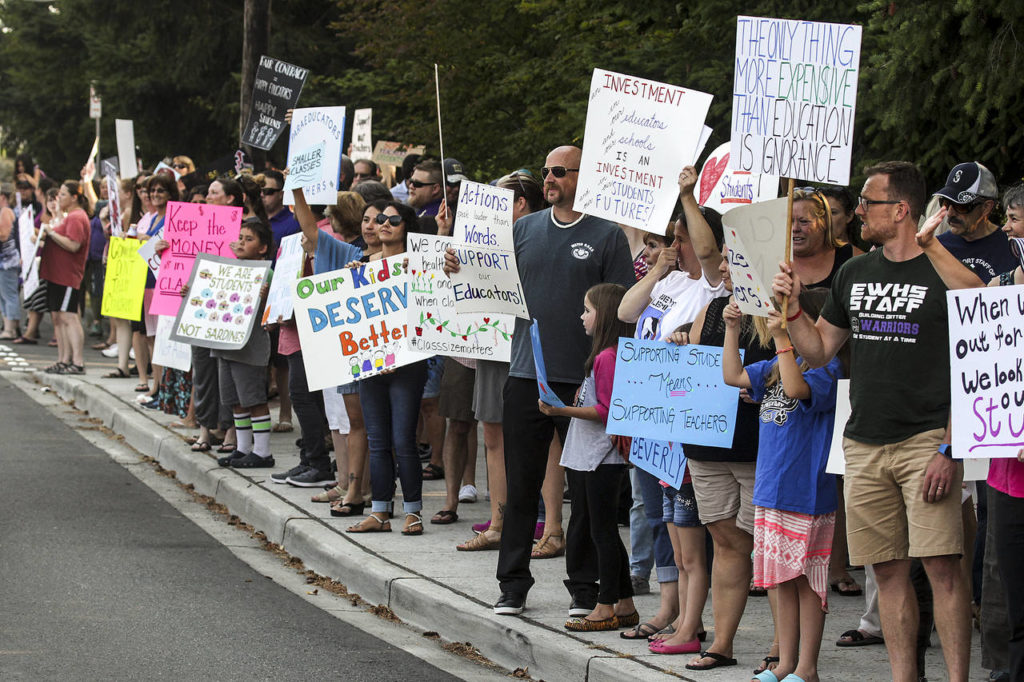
(675, 300)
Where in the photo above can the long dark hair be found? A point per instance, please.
(409, 218)
(605, 299)
(75, 189)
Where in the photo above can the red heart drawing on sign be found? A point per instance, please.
(486, 320)
(713, 170)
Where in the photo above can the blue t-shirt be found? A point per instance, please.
(333, 254)
(987, 257)
(794, 440)
(282, 225)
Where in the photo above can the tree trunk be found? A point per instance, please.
(255, 42)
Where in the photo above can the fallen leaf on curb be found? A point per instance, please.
(431, 634)
(314, 592)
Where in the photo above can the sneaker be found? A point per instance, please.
(110, 351)
(283, 476)
(582, 606)
(153, 404)
(640, 584)
(131, 353)
(511, 604)
(310, 478)
(468, 494)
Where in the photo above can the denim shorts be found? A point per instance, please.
(435, 370)
(679, 507)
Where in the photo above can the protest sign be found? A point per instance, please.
(125, 133)
(168, 353)
(361, 131)
(222, 303)
(437, 328)
(986, 357)
(114, 204)
(27, 240)
(723, 188)
(125, 282)
(663, 460)
(836, 463)
(546, 394)
(794, 98)
(275, 91)
(393, 153)
(190, 229)
(147, 252)
(306, 168)
(672, 393)
(639, 135)
(756, 237)
(286, 273)
(353, 322)
(311, 127)
(488, 279)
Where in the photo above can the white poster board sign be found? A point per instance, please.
(168, 353)
(362, 146)
(282, 286)
(794, 98)
(318, 166)
(723, 188)
(756, 237)
(639, 136)
(26, 240)
(125, 133)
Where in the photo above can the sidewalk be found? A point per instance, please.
(424, 580)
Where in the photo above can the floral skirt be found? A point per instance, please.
(788, 545)
(175, 391)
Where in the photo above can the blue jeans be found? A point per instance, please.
(664, 559)
(641, 550)
(391, 408)
(10, 306)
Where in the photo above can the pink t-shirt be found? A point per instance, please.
(1006, 474)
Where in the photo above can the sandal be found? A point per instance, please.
(415, 527)
(432, 472)
(141, 388)
(55, 368)
(640, 631)
(201, 446)
(846, 587)
(283, 427)
(334, 494)
(481, 542)
(226, 447)
(52, 343)
(766, 664)
(663, 633)
(72, 369)
(444, 517)
(95, 346)
(118, 373)
(26, 340)
(9, 336)
(340, 508)
(717, 661)
(857, 638)
(371, 524)
(549, 547)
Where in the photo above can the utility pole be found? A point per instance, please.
(255, 42)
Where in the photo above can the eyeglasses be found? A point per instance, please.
(868, 203)
(270, 191)
(962, 209)
(395, 220)
(417, 184)
(557, 171)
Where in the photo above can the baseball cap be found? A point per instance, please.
(453, 172)
(969, 182)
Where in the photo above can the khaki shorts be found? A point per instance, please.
(724, 490)
(886, 515)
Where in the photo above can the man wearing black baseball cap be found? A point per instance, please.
(969, 196)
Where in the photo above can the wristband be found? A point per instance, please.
(946, 450)
(799, 312)
(784, 350)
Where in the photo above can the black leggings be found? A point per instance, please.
(592, 538)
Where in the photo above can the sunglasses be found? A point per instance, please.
(179, 165)
(962, 209)
(158, 190)
(395, 220)
(557, 171)
(269, 191)
(418, 184)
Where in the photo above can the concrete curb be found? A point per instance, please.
(423, 602)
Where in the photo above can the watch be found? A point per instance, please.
(946, 450)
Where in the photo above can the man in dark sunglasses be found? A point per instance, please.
(425, 192)
(282, 221)
(969, 196)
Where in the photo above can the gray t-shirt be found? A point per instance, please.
(557, 265)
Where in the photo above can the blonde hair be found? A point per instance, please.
(822, 214)
(347, 215)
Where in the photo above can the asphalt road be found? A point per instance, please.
(100, 578)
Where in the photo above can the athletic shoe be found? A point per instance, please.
(310, 478)
(511, 604)
(110, 352)
(153, 404)
(581, 606)
(468, 494)
(282, 477)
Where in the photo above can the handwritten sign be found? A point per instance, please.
(125, 134)
(794, 98)
(393, 153)
(27, 240)
(147, 252)
(756, 237)
(661, 459)
(168, 353)
(223, 302)
(488, 279)
(986, 357)
(361, 130)
(282, 288)
(275, 91)
(672, 393)
(124, 285)
(639, 135)
(190, 229)
(353, 322)
(543, 387)
(114, 204)
(306, 168)
(437, 328)
(723, 188)
(311, 127)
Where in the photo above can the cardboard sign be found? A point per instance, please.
(310, 128)
(280, 298)
(125, 282)
(275, 91)
(26, 240)
(794, 98)
(168, 353)
(672, 393)
(836, 463)
(306, 168)
(190, 229)
(488, 279)
(663, 460)
(127, 163)
(543, 388)
(756, 237)
(639, 136)
(223, 302)
(353, 322)
(393, 153)
(986, 358)
(361, 130)
(437, 328)
(723, 189)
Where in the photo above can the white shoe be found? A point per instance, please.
(110, 352)
(131, 353)
(467, 493)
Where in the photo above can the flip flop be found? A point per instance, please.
(641, 631)
(432, 472)
(444, 517)
(717, 661)
(766, 664)
(857, 638)
(847, 587)
(226, 447)
(139, 388)
(200, 446)
(118, 373)
(25, 340)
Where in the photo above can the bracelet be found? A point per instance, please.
(784, 350)
(799, 312)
